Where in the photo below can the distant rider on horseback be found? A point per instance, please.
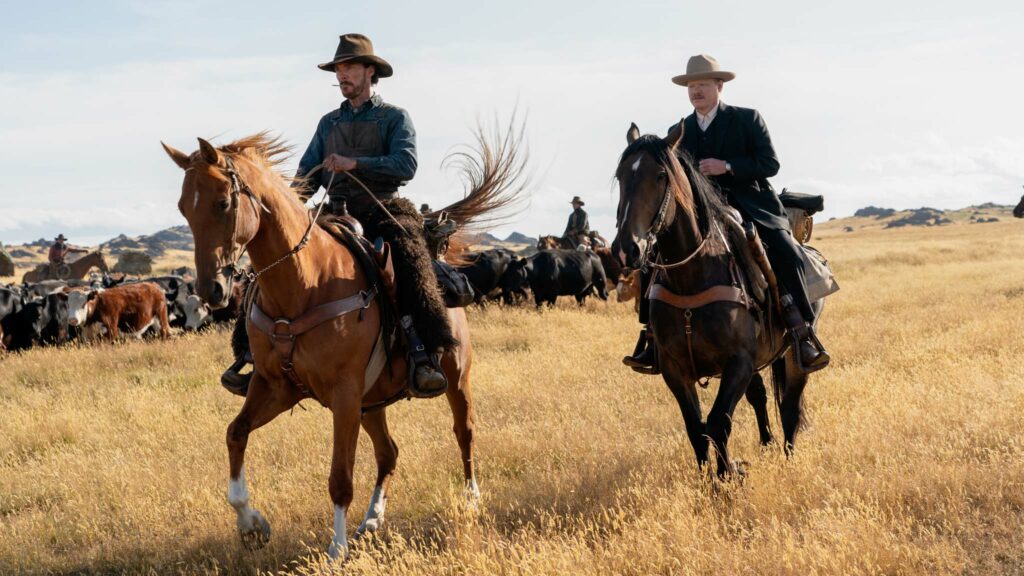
(376, 142)
(58, 252)
(735, 152)
(578, 227)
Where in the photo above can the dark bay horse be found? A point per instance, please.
(233, 199)
(77, 269)
(664, 198)
(1018, 210)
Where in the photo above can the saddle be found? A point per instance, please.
(375, 261)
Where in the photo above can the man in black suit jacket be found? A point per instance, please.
(734, 150)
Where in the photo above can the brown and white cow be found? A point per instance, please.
(137, 307)
(628, 287)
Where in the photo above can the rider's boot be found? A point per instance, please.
(426, 379)
(645, 355)
(811, 355)
(233, 379)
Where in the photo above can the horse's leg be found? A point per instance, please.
(685, 391)
(789, 390)
(460, 399)
(345, 408)
(261, 405)
(757, 396)
(735, 378)
(386, 452)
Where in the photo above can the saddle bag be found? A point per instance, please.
(818, 275)
(454, 286)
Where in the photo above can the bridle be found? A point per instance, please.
(238, 187)
(658, 225)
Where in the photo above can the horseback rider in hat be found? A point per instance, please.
(58, 252)
(577, 230)
(735, 152)
(376, 142)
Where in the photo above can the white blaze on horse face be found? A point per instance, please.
(195, 201)
(339, 544)
(375, 513)
(636, 165)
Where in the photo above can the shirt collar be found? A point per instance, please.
(706, 120)
(374, 101)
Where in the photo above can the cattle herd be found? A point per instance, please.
(502, 275)
(104, 307)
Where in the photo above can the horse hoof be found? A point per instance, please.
(367, 527)
(472, 495)
(256, 533)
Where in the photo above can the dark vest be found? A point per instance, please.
(707, 141)
(354, 140)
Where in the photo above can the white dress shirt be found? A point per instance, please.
(704, 121)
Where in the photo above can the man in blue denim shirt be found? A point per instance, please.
(376, 142)
(365, 136)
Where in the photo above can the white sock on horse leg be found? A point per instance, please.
(375, 512)
(339, 544)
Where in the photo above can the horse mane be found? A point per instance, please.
(684, 177)
(262, 148)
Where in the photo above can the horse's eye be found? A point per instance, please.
(224, 205)
(662, 176)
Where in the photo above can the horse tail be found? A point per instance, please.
(494, 173)
(779, 382)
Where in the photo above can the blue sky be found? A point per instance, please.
(895, 104)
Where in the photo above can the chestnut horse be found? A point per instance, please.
(663, 197)
(234, 200)
(77, 269)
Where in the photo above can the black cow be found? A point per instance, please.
(516, 280)
(566, 273)
(486, 270)
(39, 322)
(10, 305)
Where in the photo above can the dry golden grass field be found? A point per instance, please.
(112, 458)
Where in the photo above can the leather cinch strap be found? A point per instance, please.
(283, 331)
(719, 293)
(687, 304)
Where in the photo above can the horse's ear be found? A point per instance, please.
(633, 133)
(179, 157)
(208, 152)
(675, 135)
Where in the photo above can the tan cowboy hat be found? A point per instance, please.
(702, 67)
(357, 48)
(576, 200)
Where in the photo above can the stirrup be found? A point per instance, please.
(645, 356)
(821, 361)
(234, 381)
(428, 370)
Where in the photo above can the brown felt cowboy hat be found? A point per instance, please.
(357, 48)
(576, 200)
(702, 67)
(60, 238)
